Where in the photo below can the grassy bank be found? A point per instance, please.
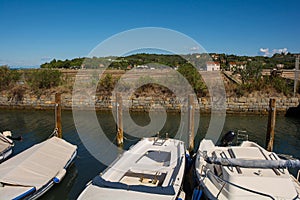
(18, 83)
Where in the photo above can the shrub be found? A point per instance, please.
(17, 93)
(44, 79)
(107, 82)
(280, 84)
(8, 77)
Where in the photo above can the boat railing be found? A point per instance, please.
(202, 172)
(241, 136)
(159, 141)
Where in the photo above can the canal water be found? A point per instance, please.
(36, 126)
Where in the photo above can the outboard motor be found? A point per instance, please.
(228, 138)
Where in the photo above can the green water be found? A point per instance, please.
(36, 126)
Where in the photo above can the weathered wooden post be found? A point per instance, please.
(271, 124)
(119, 119)
(191, 122)
(58, 114)
(296, 75)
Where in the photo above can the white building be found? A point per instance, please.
(233, 66)
(212, 66)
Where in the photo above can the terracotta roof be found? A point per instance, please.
(212, 63)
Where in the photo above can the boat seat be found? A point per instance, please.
(148, 168)
(100, 182)
(156, 179)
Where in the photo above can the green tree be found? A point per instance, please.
(194, 78)
(251, 73)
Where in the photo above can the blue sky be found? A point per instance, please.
(33, 32)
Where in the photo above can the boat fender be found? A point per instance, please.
(60, 175)
(197, 193)
(189, 160)
(181, 195)
(7, 133)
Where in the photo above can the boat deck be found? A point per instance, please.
(151, 169)
(230, 182)
(146, 163)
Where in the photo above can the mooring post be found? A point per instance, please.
(271, 125)
(296, 75)
(119, 119)
(191, 121)
(58, 114)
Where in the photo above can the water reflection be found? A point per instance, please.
(36, 126)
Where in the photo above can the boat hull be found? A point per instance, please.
(6, 154)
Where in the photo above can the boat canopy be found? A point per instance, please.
(37, 165)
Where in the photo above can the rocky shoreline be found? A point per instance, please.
(240, 105)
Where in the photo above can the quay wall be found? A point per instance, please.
(240, 105)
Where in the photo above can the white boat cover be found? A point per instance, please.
(35, 166)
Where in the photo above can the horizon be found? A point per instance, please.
(130, 54)
(38, 32)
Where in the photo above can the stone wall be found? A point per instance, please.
(241, 105)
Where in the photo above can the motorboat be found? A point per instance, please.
(151, 169)
(6, 145)
(31, 173)
(246, 171)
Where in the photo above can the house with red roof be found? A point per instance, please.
(213, 66)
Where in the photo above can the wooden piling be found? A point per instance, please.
(191, 122)
(119, 119)
(58, 114)
(271, 125)
(296, 75)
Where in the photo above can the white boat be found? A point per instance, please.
(6, 145)
(243, 172)
(32, 172)
(151, 169)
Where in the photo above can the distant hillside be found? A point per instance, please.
(127, 62)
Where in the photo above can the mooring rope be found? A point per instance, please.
(131, 140)
(54, 133)
(238, 186)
